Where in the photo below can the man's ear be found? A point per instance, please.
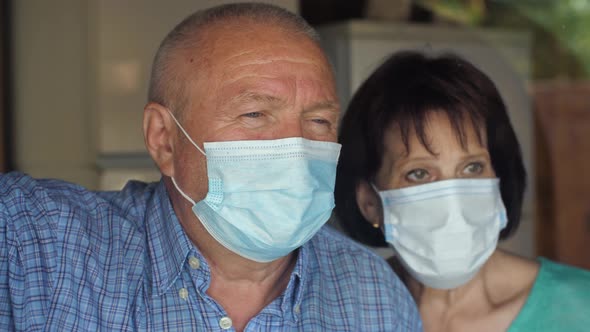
(158, 134)
(369, 204)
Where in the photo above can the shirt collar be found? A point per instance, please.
(168, 244)
(293, 295)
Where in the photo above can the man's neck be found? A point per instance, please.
(241, 286)
(243, 292)
(244, 287)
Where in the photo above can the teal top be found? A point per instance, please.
(559, 301)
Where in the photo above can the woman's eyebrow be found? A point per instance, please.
(476, 155)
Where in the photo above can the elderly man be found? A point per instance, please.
(241, 121)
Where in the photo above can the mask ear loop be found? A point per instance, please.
(182, 192)
(375, 225)
(377, 191)
(185, 133)
(196, 146)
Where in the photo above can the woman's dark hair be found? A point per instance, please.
(402, 91)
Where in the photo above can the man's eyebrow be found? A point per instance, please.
(256, 97)
(329, 105)
(250, 96)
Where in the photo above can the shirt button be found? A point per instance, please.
(183, 293)
(194, 262)
(225, 323)
(297, 309)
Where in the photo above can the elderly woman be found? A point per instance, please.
(430, 165)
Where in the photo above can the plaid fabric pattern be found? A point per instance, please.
(77, 260)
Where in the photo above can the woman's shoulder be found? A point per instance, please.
(549, 265)
(511, 278)
(558, 300)
(560, 279)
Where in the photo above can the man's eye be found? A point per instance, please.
(417, 175)
(321, 121)
(252, 115)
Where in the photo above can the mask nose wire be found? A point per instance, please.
(186, 134)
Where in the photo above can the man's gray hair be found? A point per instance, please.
(167, 84)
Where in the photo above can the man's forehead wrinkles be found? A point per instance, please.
(259, 59)
(234, 78)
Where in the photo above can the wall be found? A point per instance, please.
(53, 133)
(80, 79)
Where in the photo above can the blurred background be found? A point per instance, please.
(74, 74)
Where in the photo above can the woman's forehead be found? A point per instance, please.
(433, 129)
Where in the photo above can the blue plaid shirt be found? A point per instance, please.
(76, 260)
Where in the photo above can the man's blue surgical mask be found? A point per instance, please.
(266, 198)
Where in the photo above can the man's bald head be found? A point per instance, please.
(168, 80)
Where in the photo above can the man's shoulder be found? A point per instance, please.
(18, 190)
(332, 247)
(344, 272)
(24, 198)
(60, 243)
(55, 208)
(329, 236)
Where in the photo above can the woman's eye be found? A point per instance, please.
(474, 168)
(417, 175)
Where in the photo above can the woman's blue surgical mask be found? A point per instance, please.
(444, 231)
(266, 198)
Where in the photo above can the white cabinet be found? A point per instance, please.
(356, 48)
